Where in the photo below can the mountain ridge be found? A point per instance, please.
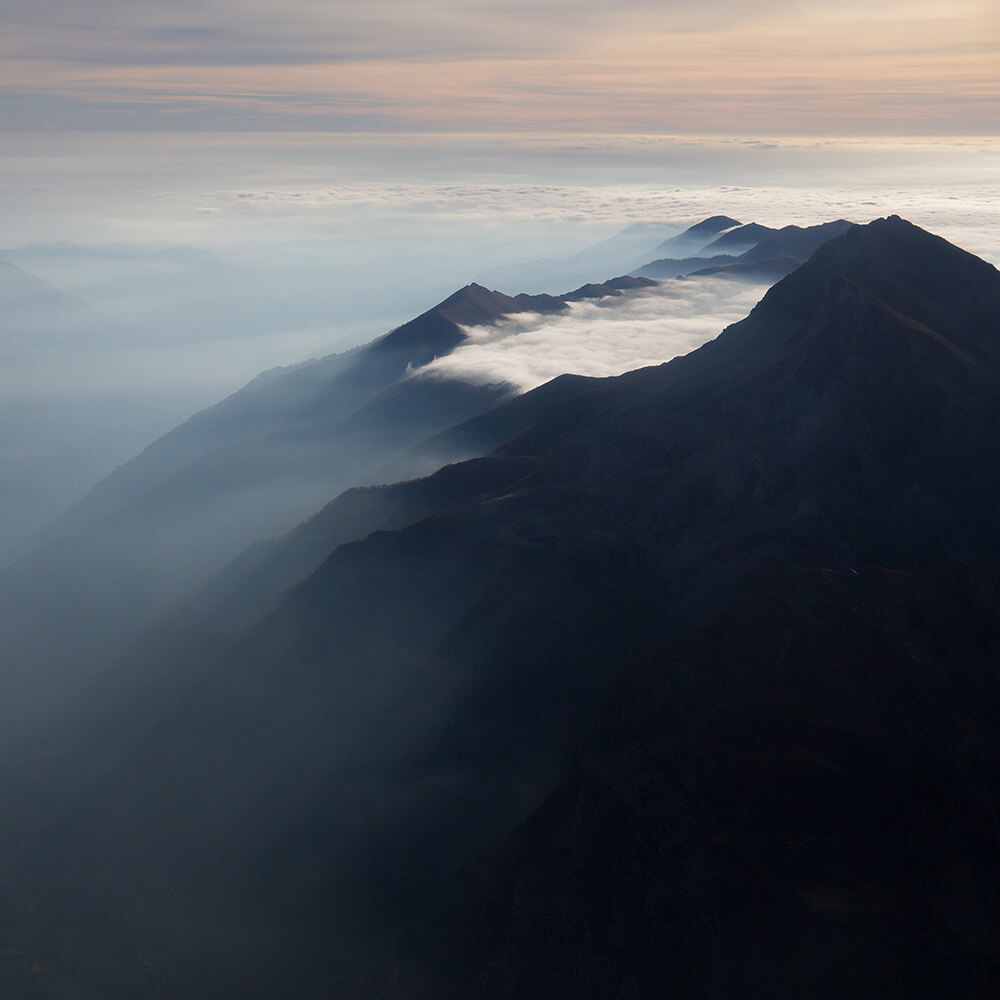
(774, 252)
(250, 467)
(738, 579)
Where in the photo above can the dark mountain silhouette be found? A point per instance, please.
(752, 252)
(700, 237)
(630, 248)
(612, 289)
(681, 267)
(437, 331)
(688, 688)
(795, 241)
(795, 836)
(313, 394)
(737, 240)
(766, 271)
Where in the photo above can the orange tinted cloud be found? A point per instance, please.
(902, 67)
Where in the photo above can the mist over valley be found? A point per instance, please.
(499, 501)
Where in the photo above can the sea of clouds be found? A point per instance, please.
(600, 337)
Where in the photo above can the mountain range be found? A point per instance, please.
(252, 466)
(751, 252)
(717, 245)
(679, 683)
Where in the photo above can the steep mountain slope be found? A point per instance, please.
(287, 400)
(313, 395)
(752, 589)
(254, 465)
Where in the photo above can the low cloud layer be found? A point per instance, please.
(603, 337)
(517, 197)
(968, 217)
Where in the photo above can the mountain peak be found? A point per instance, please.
(474, 300)
(716, 223)
(893, 257)
(697, 236)
(889, 267)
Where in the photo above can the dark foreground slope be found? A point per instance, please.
(689, 689)
(795, 782)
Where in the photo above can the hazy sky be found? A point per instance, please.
(831, 67)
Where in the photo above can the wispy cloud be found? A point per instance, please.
(263, 32)
(687, 65)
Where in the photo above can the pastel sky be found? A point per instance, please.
(781, 67)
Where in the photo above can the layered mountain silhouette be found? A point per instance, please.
(705, 234)
(254, 465)
(718, 245)
(633, 245)
(687, 688)
(751, 253)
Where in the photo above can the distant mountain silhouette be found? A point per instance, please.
(630, 248)
(607, 289)
(737, 240)
(708, 246)
(750, 252)
(22, 293)
(766, 271)
(688, 688)
(701, 237)
(633, 245)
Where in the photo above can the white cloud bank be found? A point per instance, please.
(604, 337)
